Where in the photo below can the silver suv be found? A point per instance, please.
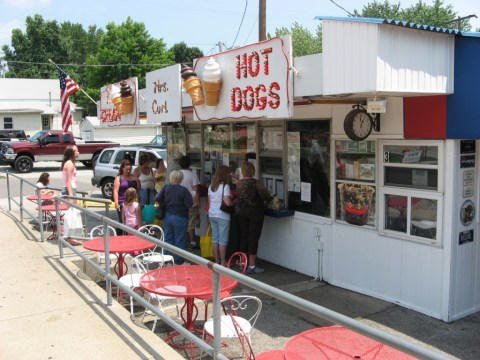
(106, 167)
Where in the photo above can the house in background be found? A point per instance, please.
(90, 129)
(32, 105)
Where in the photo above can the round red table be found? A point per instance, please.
(336, 342)
(50, 217)
(120, 245)
(271, 355)
(188, 282)
(34, 198)
(51, 207)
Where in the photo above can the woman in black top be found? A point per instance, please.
(252, 196)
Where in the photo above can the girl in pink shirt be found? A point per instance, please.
(131, 211)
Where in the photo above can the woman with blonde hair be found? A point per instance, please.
(218, 191)
(144, 173)
(177, 201)
(160, 175)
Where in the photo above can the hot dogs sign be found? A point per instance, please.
(251, 82)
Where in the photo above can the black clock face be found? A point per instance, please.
(358, 124)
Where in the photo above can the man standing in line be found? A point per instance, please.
(191, 182)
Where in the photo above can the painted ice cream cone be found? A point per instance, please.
(192, 85)
(127, 105)
(126, 98)
(115, 98)
(212, 82)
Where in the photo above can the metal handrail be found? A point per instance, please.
(217, 270)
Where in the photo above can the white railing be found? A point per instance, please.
(217, 270)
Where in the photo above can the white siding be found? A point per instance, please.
(465, 264)
(307, 76)
(414, 61)
(383, 59)
(349, 57)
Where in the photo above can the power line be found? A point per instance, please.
(241, 22)
(82, 65)
(349, 13)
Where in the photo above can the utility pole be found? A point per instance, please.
(262, 20)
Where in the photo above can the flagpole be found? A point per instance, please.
(81, 89)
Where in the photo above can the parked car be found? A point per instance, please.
(106, 168)
(158, 141)
(12, 135)
(48, 145)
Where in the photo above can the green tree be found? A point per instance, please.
(125, 51)
(437, 14)
(79, 44)
(30, 51)
(64, 43)
(376, 9)
(303, 41)
(185, 54)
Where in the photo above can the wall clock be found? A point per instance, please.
(358, 124)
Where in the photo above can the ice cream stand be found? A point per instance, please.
(372, 150)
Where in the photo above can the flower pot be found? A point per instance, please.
(355, 200)
(356, 216)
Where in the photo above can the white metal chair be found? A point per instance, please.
(139, 265)
(236, 261)
(156, 232)
(241, 314)
(97, 231)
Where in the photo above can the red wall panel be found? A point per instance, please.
(425, 117)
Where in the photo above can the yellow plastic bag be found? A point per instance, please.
(206, 248)
(157, 222)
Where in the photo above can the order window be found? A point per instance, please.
(411, 194)
(308, 166)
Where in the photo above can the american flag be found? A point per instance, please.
(68, 87)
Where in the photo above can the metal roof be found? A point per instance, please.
(404, 24)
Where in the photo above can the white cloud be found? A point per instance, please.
(26, 3)
(6, 30)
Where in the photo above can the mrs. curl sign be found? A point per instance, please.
(163, 95)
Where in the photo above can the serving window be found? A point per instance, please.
(308, 166)
(411, 193)
(228, 144)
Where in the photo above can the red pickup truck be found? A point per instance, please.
(48, 145)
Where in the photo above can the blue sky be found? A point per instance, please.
(200, 23)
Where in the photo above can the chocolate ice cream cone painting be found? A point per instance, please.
(117, 102)
(115, 98)
(192, 85)
(212, 82)
(126, 97)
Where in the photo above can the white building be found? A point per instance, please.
(32, 105)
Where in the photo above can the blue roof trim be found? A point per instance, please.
(404, 24)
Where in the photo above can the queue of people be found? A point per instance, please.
(179, 189)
